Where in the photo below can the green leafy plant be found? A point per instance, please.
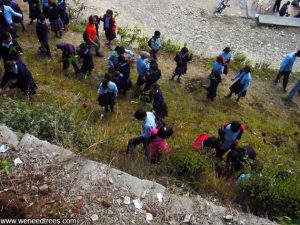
(5, 165)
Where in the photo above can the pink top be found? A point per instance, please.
(198, 143)
(158, 144)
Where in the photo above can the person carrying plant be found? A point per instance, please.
(68, 55)
(86, 57)
(240, 87)
(10, 48)
(148, 125)
(181, 59)
(286, 67)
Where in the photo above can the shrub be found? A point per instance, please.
(275, 192)
(239, 57)
(170, 47)
(42, 120)
(187, 162)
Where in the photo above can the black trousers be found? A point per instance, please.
(132, 143)
(286, 75)
(276, 6)
(66, 65)
(154, 54)
(45, 45)
(212, 89)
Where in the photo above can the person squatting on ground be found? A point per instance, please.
(285, 68)
(226, 58)
(215, 78)
(155, 44)
(142, 67)
(10, 49)
(42, 32)
(159, 105)
(16, 8)
(107, 91)
(229, 134)
(90, 36)
(122, 75)
(16, 70)
(158, 145)
(109, 26)
(240, 87)
(68, 56)
(239, 157)
(86, 57)
(284, 9)
(148, 125)
(181, 59)
(204, 141)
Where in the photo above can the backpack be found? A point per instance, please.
(149, 42)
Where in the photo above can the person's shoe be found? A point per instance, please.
(178, 80)
(275, 82)
(284, 90)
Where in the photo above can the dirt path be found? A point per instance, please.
(193, 22)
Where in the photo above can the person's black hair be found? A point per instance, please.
(184, 50)
(9, 65)
(121, 59)
(83, 47)
(165, 132)
(235, 126)
(5, 36)
(157, 33)
(247, 69)
(120, 50)
(106, 79)
(298, 53)
(140, 114)
(42, 17)
(227, 49)
(288, 2)
(211, 142)
(91, 19)
(155, 86)
(110, 12)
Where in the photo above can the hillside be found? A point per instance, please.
(65, 112)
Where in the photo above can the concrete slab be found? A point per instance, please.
(280, 21)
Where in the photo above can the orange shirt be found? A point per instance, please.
(91, 31)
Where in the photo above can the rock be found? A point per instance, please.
(228, 218)
(94, 217)
(106, 203)
(143, 195)
(7, 136)
(187, 218)
(127, 200)
(44, 188)
(149, 217)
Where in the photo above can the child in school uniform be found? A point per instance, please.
(153, 77)
(181, 59)
(86, 57)
(64, 16)
(42, 33)
(34, 9)
(17, 9)
(159, 105)
(109, 26)
(123, 80)
(107, 93)
(55, 20)
(10, 49)
(226, 58)
(155, 44)
(215, 78)
(68, 56)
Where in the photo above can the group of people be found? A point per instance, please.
(283, 9)
(117, 79)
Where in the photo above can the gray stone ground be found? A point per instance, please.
(76, 178)
(193, 22)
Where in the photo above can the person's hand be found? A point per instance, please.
(21, 53)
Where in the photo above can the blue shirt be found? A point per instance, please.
(106, 22)
(111, 88)
(288, 62)
(243, 177)
(230, 136)
(155, 43)
(218, 67)
(226, 56)
(142, 66)
(9, 13)
(45, 3)
(113, 59)
(148, 125)
(245, 79)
